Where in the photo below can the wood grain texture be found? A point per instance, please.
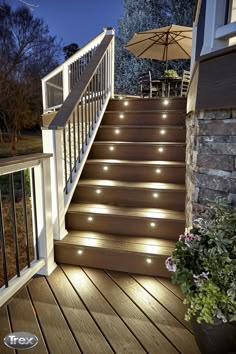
(151, 338)
(23, 319)
(119, 336)
(57, 334)
(172, 287)
(159, 315)
(81, 323)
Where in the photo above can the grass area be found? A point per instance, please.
(28, 144)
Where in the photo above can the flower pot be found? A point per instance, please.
(216, 338)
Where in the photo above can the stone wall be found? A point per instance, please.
(210, 160)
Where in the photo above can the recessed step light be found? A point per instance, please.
(158, 170)
(111, 148)
(98, 191)
(121, 116)
(162, 131)
(117, 131)
(160, 149)
(164, 116)
(152, 224)
(166, 102)
(155, 195)
(80, 252)
(148, 260)
(126, 103)
(105, 168)
(90, 219)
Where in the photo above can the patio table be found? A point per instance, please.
(167, 82)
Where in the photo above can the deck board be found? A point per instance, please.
(91, 311)
(56, 331)
(5, 329)
(23, 319)
(107, 319)
(163, 319)
(152, 339)
(84, 328)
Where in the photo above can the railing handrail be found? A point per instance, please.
(87, 47)
(75, 95)
(15, 160)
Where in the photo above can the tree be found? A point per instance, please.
(70, 49)
(138, 16)
(27, 52)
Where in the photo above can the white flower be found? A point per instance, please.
(192, 240)
(201, 278)
(170, 264)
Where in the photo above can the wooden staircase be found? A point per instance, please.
(128, 208)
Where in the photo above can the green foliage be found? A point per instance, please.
(204, 265)
(170, 73)
(70, 49)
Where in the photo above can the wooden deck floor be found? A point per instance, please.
(82, 310)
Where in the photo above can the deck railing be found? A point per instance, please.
(71, 133)
(57, 85)
(26, 235)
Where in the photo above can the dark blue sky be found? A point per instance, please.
(76, 20)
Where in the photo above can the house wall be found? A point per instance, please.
(211, 128)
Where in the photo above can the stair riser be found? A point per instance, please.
(138, 152)
(172, 118)
(144, 134)
(147, 105)
(108, 259)
(130, 197)
(134, 173)
(124, 225)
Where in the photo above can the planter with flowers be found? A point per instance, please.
(204, 265)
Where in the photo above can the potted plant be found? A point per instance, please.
(204, 265)
(171, 73)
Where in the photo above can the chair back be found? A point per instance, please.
(145, 84)
(185, 83)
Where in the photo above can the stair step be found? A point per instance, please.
(140, 194)
(144, 118)
(134, 170)
(175, 133)
(147, 104)
(115, 252)
(151, 222)
(170, 151)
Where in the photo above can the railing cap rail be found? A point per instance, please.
(68, 106)
(15, 160)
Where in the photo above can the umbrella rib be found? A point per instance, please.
(143, 40)
(183, 49)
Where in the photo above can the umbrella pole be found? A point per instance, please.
(166, 65)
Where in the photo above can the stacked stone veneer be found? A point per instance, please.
(210, 160)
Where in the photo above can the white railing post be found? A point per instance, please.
(44, 94)
(65, 78)
(44, 216)
(110, 31)
(52, 143)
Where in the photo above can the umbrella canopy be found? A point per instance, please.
(166, 43)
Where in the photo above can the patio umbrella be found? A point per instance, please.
(165, 43)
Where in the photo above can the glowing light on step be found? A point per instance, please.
(155, 195)
(105, 168)
(152, 224)
(120, 97)
(160, 149)
(117, 131)
(164, 116)
(98, 191)
(166, 102)
(158, 170)
(80, 252)
(90, 219)
(126, 103)
(162, 131)
(148, 260)
(121, 116)
(111, 148)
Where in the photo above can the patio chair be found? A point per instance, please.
(148, 87)
(185, 83)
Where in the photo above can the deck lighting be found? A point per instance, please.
(121, 116)
(98, 191)
(148, 260)
(166, 102)
(160, 149)
(152, 224)
(164, 116)
(158, 170)
(105, 168)
(80, 252)
(126, 103)
(111, 148)
(117, 131)
(120, 97)
(90, 219)
(162, 131)
(155, 195)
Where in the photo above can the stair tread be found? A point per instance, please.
(127, 184)
(140, 143)
(137, 162)
(104, 209)
(129, 126)
(119, 243)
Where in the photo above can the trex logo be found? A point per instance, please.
(20, 340)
